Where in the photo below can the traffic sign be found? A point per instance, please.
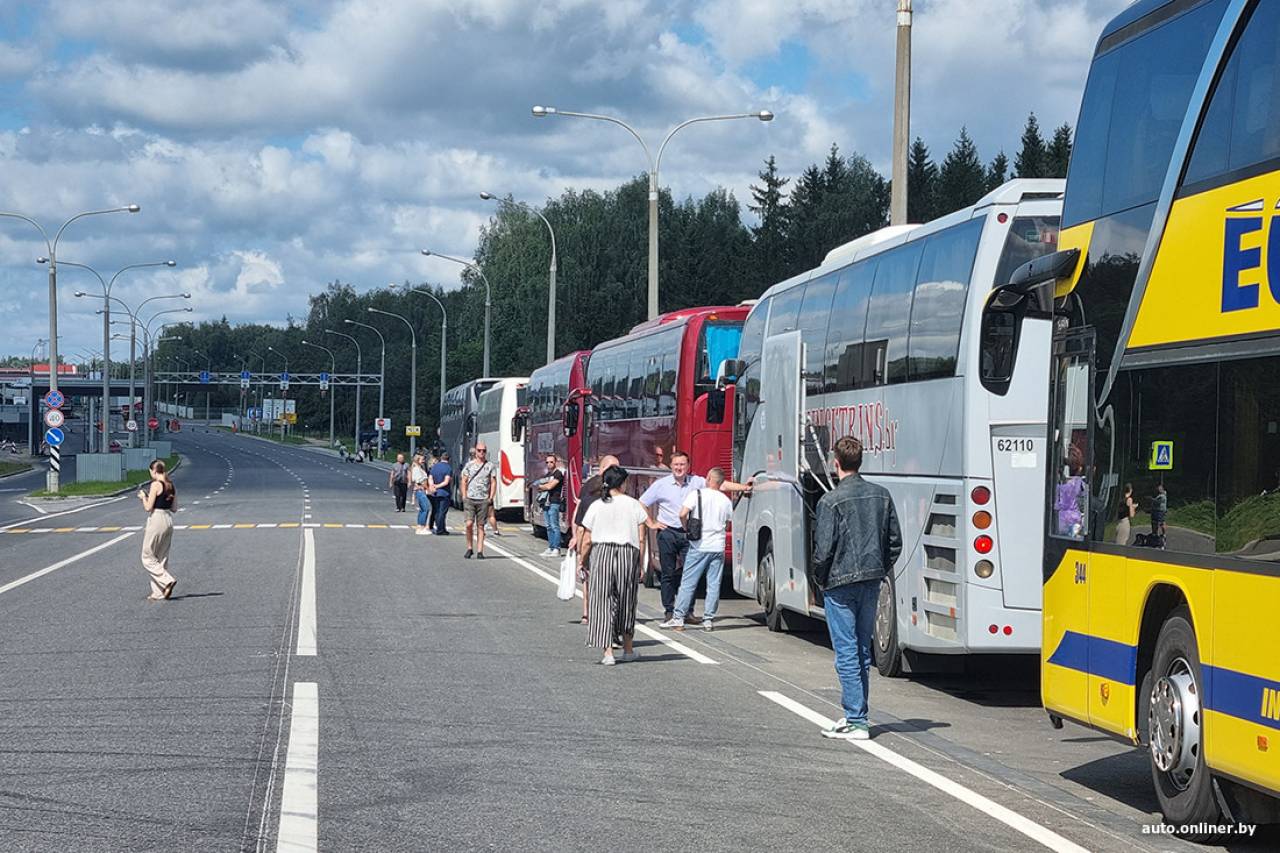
(54, 399)
(324, 381)
(413, 430)
(244, 379)
(53, 436)
(1161, 456)
(204, 377)
(53, 418)
(284, 381)
(382, 424)
(131, 425)
(153, 423)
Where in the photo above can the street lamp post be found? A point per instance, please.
(413, 376)
(333, 368)
(444, 334)
(358, 383)
(382, 376)
(284, 392)
(208, 369)
(551, 296)
(148, 390)
(654, 164)
(487, 300)
(55, 465)
(106, 335)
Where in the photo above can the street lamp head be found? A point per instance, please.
(348, 322)
(42, 260)
(426, 252)
(542, 112)
(487, 196)
(188, 310)
(170, 263)
(764, 115)
(79, 293)
(132, 208)
(186, 296)
(304, 341)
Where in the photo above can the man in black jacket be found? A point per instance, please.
(856, 544)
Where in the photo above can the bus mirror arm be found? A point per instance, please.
(1036, 280)
(730, 370)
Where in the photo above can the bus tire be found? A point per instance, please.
(887, 651)
(767, 589)
(1183, 783)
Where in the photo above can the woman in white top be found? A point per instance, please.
(613, 545)
(419, 480)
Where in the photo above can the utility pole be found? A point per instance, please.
(901, 117)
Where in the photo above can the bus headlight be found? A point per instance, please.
(984, 568)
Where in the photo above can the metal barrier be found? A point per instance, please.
(138, 458)
(163, 449)
(99, 467)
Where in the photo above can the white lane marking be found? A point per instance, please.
(222, 527)
(299, 803)
(61, 563)
(693, 655)
(307, 599)
(1026, 826)
(48, 514)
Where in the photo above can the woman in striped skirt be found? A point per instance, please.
(613, 546)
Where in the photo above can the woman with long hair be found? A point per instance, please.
(159, 498)
(1128, 509)
(613, 542)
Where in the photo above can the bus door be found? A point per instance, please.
(782, 390)
(1066, 683)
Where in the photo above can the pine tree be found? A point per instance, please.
(1059, 153)
(1031, 161)
(769, 247)
(922, 180)
(803, 237)
(998, 171)
(962, 180)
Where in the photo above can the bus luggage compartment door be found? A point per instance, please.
(1018, 458)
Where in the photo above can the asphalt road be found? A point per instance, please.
(331, 680)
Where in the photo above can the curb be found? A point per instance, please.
(182, 460)
(30, 467)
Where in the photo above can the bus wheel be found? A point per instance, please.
(767, 591)
(888, 653)
(1174, 725)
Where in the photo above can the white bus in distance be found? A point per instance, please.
(493, 420)
(881, 342)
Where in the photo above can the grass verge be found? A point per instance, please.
(13, 468)
(97, 487)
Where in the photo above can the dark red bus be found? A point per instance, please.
(541, 422)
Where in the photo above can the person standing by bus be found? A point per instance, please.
(856, 542)
(159, 498)
(418, 479)
(551, 498)
(713, 509)
(613, 543)
(398, 482)
(441, 478)
(478, 487)
(590, 494)
(663, 499)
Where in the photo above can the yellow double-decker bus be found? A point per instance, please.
(1162, 552)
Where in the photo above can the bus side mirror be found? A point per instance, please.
(570, 419)
(517, 426)
(730, 370)
(1029, 293)
(715, 404)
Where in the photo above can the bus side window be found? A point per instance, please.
(888, 315)
(815, 312)
(848, 321)
(937, 311)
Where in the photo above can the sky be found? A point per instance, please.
(276, 147)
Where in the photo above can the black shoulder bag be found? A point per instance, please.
(693, 524)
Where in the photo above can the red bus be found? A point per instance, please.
(541, 422)
(651, 393)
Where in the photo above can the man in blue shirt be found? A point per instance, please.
(664, 499)
(441, 475)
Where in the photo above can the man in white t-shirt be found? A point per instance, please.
(706, 554)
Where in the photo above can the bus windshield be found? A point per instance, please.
(718, 341)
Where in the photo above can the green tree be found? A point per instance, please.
(922, 180)
(1032, 159)
(962, 180)
(769, 246)
(1058, 155)
(998, 171)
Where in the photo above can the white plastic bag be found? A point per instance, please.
(568, 577)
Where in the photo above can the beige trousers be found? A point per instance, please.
(156, 538)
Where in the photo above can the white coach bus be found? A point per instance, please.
(494, 412)
(882, 342)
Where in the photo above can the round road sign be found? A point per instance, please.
(152, 423)
(54, 399)
(131, 425)
(54, 418)
(54, 436)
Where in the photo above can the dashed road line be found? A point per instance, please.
(299, 803)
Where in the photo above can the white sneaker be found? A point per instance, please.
(608, 660)
(549, 553)
(706, 624)
(421, 531)
(673, 622)
(844, 730)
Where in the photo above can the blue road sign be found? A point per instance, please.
(204, 377)
(1161, 456)
(54, 436)
(284, 377)
(54, 399)
(244, 374)
(324, 377)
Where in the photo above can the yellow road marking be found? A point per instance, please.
(332, 525)
(200, 527)
(244, 526)
(289, 524)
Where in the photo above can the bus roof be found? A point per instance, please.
(1011, 192)
(1135, 13)
(677, 316)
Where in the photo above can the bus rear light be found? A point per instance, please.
(984, 568)
(994, 629)
(982, 519)
(980, 495)
(1008, 630)
(983, 544)
(1002, 218)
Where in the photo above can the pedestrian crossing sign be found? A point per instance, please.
(413, 430)
(1161, 456)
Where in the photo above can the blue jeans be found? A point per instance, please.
(439, 510)
(851, 618)
(552, 515)
(421, 499)
(695, 563)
